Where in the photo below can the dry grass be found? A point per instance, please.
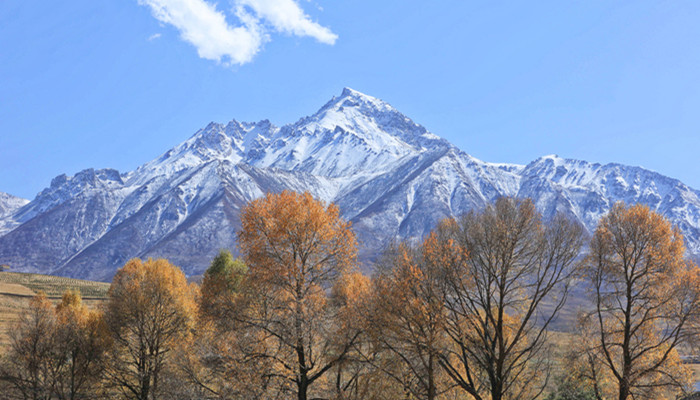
(696, 371)
(561, 342)
(55, 286)
(11, 308)
(17, 289)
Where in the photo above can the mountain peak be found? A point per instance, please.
(350, 92)
(356, 112)
(351, 133)
(351, 99)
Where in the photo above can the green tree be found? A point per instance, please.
(218, 359)
(222, 282)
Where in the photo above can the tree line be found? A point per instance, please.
(467, 313)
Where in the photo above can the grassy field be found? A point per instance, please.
(17, 289)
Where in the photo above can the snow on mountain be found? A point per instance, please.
(390, 177)
(351, 135)
(9, 204)
(587, 191)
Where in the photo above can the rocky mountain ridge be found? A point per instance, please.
(389, 176)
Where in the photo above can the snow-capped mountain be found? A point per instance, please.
(389, 176)
(9, 204)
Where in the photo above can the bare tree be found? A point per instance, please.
(502, 292)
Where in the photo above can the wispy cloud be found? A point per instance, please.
(206, 28)
(286, 16)
(153, 37)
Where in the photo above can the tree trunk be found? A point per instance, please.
(303, 386)
(497, 390)
(624, 391)
(432, 393)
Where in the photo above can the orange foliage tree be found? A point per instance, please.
(150, 311)
(645, 295)
(28, 366)
(82, 340)
(296, 247)
(56, 352)
(354, 378)
(407, 319)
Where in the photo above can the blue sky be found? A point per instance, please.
(115, 83)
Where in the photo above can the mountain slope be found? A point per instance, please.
(390, 177)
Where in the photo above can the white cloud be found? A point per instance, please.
(153, 37)
(286, 16)
(206, 28)
(202, 25)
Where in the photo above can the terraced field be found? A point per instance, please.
(54, 286)
(17, 289)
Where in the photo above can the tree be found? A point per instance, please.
(645, 295)
(296, 248)
(354, 378)
(506, 280)
(583, 371)
(56, 352)
(81, 342)
(569, 388)
(28, 366)
(221, 284)
(217, 360)
(150, 311)
(407, 320)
